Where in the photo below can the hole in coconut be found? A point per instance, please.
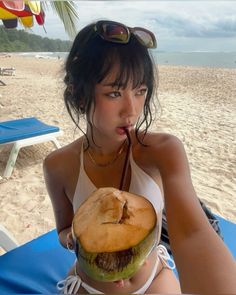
(125, 214)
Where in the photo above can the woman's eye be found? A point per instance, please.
(142, 91)
(114, 94)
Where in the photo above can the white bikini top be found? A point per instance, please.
(140, 184)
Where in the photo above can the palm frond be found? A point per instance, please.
(66, 11)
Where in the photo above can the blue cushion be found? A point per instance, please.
(23, 128)
(229, 234)
(37, 266)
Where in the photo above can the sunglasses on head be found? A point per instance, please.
(119, 33)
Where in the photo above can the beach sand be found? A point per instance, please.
(198, 106)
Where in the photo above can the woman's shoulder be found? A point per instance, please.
(161, 142)
(161, 150)
(168, 153)
(66, 156)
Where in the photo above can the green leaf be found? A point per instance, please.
(67, 12)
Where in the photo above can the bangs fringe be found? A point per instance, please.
(131, 67)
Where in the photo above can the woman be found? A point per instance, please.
(110, 81)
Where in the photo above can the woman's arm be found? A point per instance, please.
(62, 207)
(204, 263)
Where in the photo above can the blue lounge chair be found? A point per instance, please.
(36, 267)
(25, 132)
(7, 241)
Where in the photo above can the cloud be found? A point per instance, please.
(169, 20)
(225, 27)
(205, 19)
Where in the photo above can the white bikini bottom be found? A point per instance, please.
(72, 283)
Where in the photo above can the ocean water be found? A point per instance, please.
(196, 59)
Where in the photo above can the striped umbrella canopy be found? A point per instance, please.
(12, 12)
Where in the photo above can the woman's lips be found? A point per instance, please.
(121, 130)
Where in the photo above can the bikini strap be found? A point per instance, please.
(165, 258)
(70, 285)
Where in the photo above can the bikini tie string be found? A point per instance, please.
(70, 285)
(165, 258)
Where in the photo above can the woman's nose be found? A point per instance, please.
(129, 106)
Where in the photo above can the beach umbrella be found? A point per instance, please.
(12, 12)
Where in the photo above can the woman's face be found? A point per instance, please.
(116, 108)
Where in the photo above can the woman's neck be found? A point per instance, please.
(105, 160)
(103, 146)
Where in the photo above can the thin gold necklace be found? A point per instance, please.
(119, 152)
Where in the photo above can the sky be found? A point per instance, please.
(178, 25)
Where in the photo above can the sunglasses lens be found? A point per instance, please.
(115, 32)
(145, 38)
(119, 33)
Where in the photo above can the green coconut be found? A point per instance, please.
(114, 232)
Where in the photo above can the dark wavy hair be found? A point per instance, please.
(91, 59)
